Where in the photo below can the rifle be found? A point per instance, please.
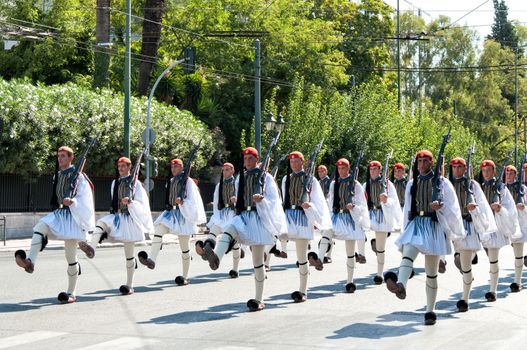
(186, 171)
(385, 172)
(437, 195)
(277, 164)
(498, 185)
(71, 191)
(519, 186)
(264, 166)
(354, 175)
(468, 174)
(134, 175)
(310, 173)
(411, 168)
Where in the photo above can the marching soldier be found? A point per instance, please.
(428, 226)
(184, 212)
(384, 210)
(517, 243)
(478, 220)
(505, 214)
(72, 218)
(223, 210)
(350, 215)
(260, 217)
(302, 217)
(325, 245)
(128, 222)
(399, 181)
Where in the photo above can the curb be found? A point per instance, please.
(57, 245)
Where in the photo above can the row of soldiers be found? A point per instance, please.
(251, 211)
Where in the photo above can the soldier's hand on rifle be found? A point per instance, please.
(520, 206)
(67, 202)
(305, 205)
(233, 199)
(257, 198)
(496, 207)
(179, 201)
(436, 205)
(125, 200)
(350, 206)
(383, 198)
(471, 206)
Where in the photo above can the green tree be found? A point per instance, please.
(502, 29)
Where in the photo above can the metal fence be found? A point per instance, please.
(20, 195)
(2, 223)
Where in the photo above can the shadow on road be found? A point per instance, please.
(43, 302)
(214, 313)
(406, 324)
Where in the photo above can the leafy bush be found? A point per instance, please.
(36, 120)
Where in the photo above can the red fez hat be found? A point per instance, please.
(323, 167)
(65, 149)
(228, 164)
(176, 161)
(250, 150)
(343, 162)
(511, 167)
(295, 155)
(124, 160)
(486, 163)
(424, 154)
(458, 160)
(374, 163)
(399, 166)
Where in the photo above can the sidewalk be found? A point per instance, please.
(13, 245)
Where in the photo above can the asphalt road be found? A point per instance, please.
(210, 313)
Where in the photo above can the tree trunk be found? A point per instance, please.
(102, 37)
(153, 12)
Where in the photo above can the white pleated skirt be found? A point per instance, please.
(522, 239)
(175, 222)
(345, 228)
(426, 235)
(63, 226)
(496, 240)
(250, 229)
(225, 215)
(298, 225)
(378, 222)
(122, 228)
(471, 241)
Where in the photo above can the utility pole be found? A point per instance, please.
(420, 86)
(398, 60)
(516, 107)
(127, 67)
(257, 74)
(257, 98)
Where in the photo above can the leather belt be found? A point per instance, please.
(295, 207)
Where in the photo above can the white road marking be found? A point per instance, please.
(26, 338)
(121, 343)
